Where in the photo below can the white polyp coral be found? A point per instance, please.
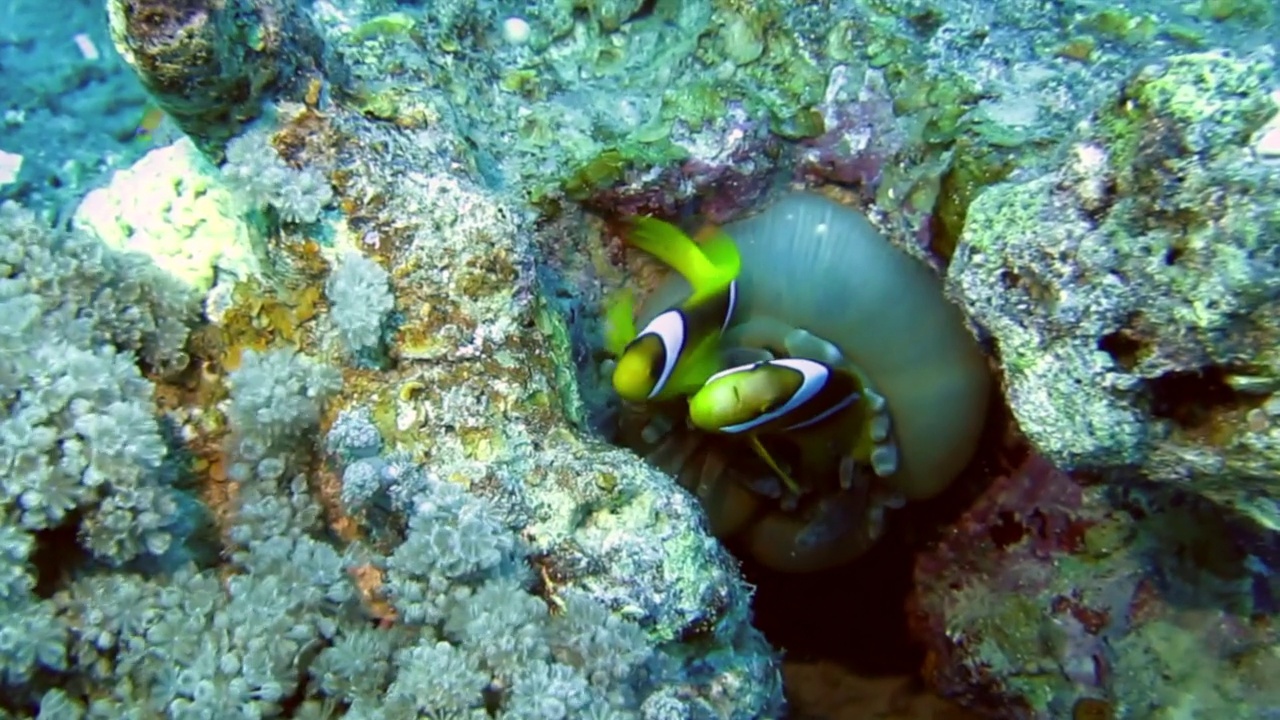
(78, 431)
(276, 396)
(257, 174)
(359, 293)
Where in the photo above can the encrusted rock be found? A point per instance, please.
(211, 64)
(1134, 293)
(1055, 594)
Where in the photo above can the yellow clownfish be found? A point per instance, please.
(782, 395)
(772, 396)
(676, 351)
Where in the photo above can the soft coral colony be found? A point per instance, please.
(262, 510)
(133, 588)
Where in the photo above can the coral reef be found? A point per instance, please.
(261, 179)
(371, 479)
(210, 65)
(582, 581)
(360, 293)
(1132, 294)
(172, 207)
(708, 104)
(1127, 567)
(81, 450)
(1053, 594)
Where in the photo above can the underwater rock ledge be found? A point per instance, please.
(463, 382)
(1134, 293)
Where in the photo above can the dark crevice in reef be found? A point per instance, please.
(856, 615)
(1125, 348)
(646, 9)
(853, 615)
(56, 550)
(1192, 399)
(1129, 345)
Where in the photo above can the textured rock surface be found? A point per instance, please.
(707, 102)
(1131, 293)
(1053, 595)
(475, 389)
(1134, 293)
(172, 207)
(210, 64)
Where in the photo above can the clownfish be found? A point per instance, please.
(773, 396)
(812, 264)
(676, 351)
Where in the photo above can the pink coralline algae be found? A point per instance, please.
(732, 163)
(1052, 594)
(860, 136)
(729, 165)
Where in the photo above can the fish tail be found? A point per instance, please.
(722, 254)
(705, 273)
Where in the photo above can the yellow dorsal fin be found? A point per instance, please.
(721, 251)
(670, 245)
(619, 321)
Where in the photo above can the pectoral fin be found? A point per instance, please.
(759, 447)
(619, 321)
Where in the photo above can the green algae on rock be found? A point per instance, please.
(1052, 590)
(643, 107)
